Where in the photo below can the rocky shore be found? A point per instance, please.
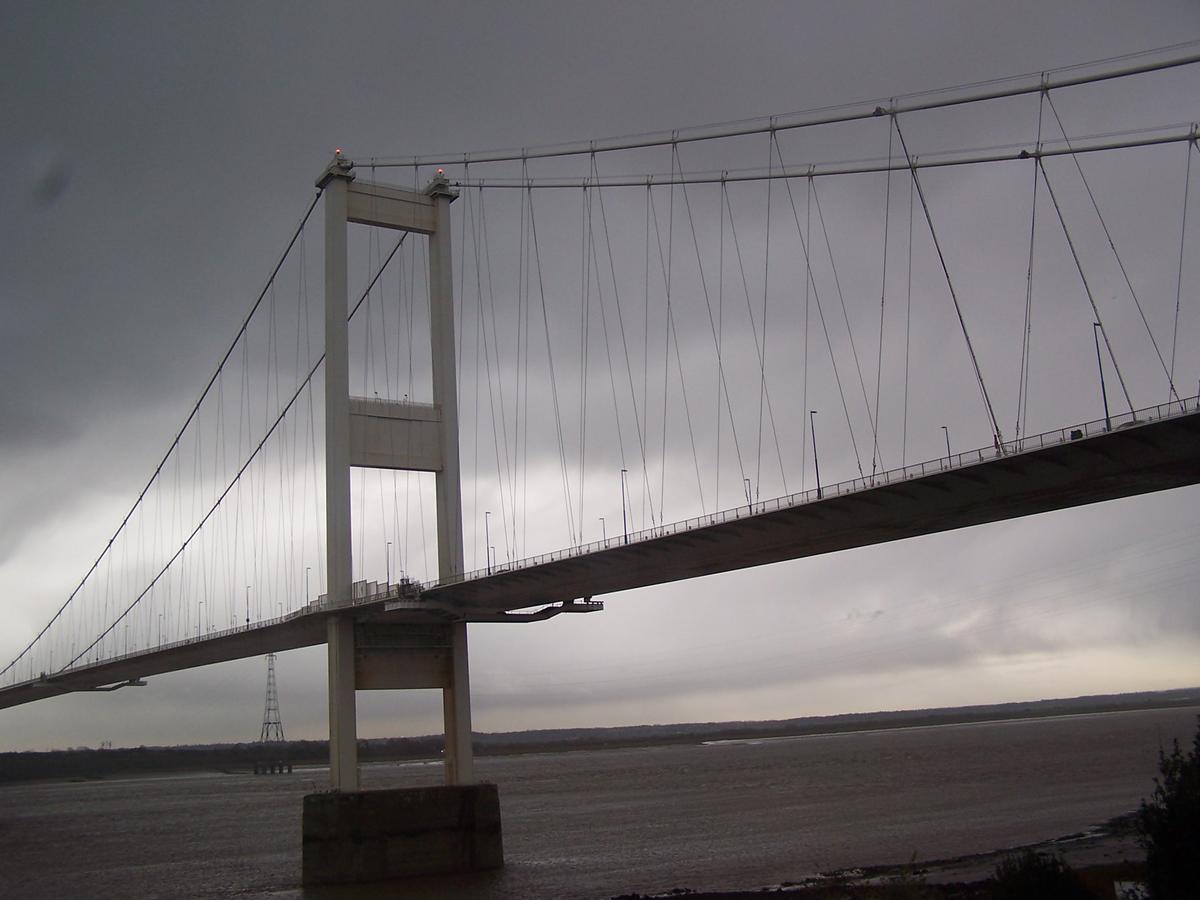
(1107, 858)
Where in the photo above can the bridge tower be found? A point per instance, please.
(394, 435)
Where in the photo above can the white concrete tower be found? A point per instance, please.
(394, 435)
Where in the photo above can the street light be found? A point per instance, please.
(247, 606)
(746, 483)
(307, 569)
(947, 433)
(1096, 329)
(487, 538)
(812, 425)
(199, 616)
(388, 563)
(624, 519)
(603, 533)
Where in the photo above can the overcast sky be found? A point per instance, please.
(160, 154)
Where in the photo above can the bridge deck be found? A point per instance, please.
(1158, 450)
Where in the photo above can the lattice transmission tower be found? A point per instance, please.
(272, 726)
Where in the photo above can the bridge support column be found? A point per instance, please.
(456, 711)
(456, 696)
(343, 731)
(343, 713)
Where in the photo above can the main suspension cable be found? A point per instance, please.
(822, 116)
(179, 434)
(241, 470)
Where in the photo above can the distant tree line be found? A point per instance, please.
(85, 762)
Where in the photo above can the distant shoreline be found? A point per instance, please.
(1005, 720)
(88, 763)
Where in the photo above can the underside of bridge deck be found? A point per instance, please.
(1142, 459)
(1134, 460)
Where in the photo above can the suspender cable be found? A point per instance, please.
(837, 283)
(499, 429)
(1187, 182)
(672, 336)
(809, 281)
(720, 335)
(1113, 246)
(907, 330)
(637, 415)
(562, 451)
(178, 435)
(805, 241)
(585, 321)
(762, 355)
(237, 477)
(662, 484)
(887, 209)
(760, 351)
(1027, 334)
(998, 439)
(1086, 287)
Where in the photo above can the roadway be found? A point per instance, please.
(1063, 470)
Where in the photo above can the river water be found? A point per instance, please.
(738, 814)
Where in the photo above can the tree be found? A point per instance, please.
(1169, 825)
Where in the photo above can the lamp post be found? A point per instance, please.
(247, 606)
(624, 519)
(160, 629)
(199, 617)
(946, 431)
(388, 563)
(812, 425)
(1096, 328)
(487, 539)
(746, 484)
(307, 569)
(603, 533)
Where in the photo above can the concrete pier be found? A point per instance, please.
(365, 836)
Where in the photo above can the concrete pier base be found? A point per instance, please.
(362, 836)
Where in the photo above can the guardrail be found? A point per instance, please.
(369, 593)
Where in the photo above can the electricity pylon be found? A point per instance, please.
(272, 743)
(272, 727)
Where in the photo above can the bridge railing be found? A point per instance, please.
(1026, 444)
(365, 593)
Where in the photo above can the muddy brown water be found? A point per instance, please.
(726, 815)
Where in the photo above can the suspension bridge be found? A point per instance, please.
(533, 378)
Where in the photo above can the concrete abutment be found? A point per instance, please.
(369, 836)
